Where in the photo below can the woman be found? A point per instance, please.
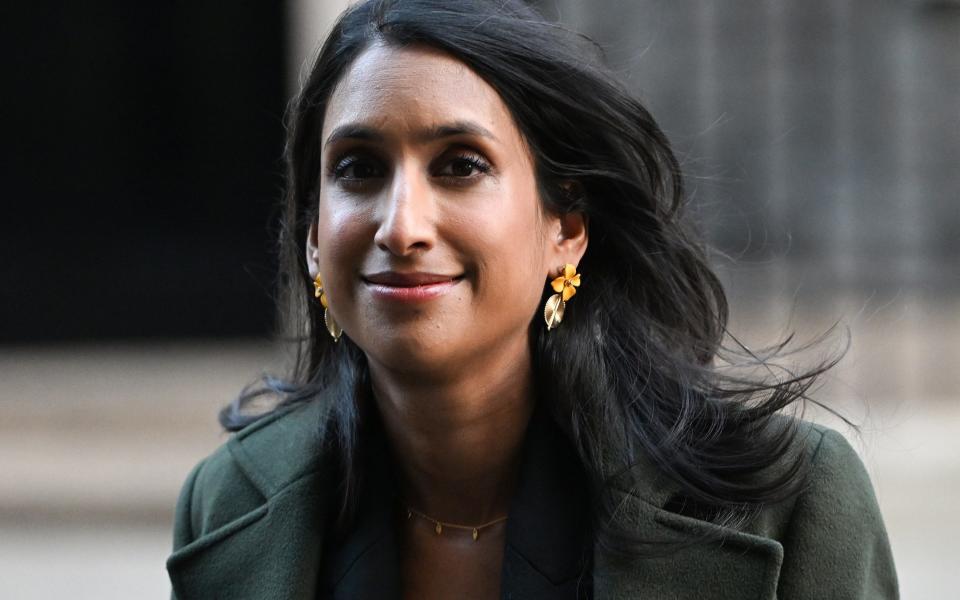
(509, 376)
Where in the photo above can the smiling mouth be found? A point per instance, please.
(409, 287)
(411, 279)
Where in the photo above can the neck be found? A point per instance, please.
(458, 439)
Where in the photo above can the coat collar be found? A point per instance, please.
(274, 550)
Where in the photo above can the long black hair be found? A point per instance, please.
(639, 367)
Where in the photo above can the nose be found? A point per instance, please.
(407, 223)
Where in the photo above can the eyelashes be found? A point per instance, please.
(470, 161)
(367, 168)
(357, 170)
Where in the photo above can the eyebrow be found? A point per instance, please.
(357, 131)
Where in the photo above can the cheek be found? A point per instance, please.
(343, 234)
(512, 254)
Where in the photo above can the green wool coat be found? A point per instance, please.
(251, 518)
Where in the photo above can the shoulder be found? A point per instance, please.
(838, 502)
(836, 476)
(838, 481)
(251, 466)
(834, 528)
(837, 472)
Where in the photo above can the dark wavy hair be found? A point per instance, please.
(640, 367)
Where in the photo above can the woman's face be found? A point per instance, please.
(430, 238)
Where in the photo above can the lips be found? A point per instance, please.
(415, 287)
(413, 279)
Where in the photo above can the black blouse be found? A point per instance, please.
(549, 544)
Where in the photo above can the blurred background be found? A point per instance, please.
(821, 140)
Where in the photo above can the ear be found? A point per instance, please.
(313, 252)
(567, 241)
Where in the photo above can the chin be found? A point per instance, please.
(412, 350)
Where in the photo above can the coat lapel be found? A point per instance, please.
(272, 550)
(739, 566)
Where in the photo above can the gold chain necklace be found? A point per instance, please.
(439, 525)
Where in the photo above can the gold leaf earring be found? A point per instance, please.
(328, 320)
(565, 287)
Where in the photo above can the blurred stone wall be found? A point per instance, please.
(823, 131)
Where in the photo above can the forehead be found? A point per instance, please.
(407, 88)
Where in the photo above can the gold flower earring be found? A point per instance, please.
(565, 287)
(328, 320)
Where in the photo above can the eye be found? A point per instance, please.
(464, 165)
(355, 170)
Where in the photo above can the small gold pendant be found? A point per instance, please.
(475, 534)
(439, 528)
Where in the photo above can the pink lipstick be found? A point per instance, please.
(411, 286)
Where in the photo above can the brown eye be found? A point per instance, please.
(357, 169)
(465, 165)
